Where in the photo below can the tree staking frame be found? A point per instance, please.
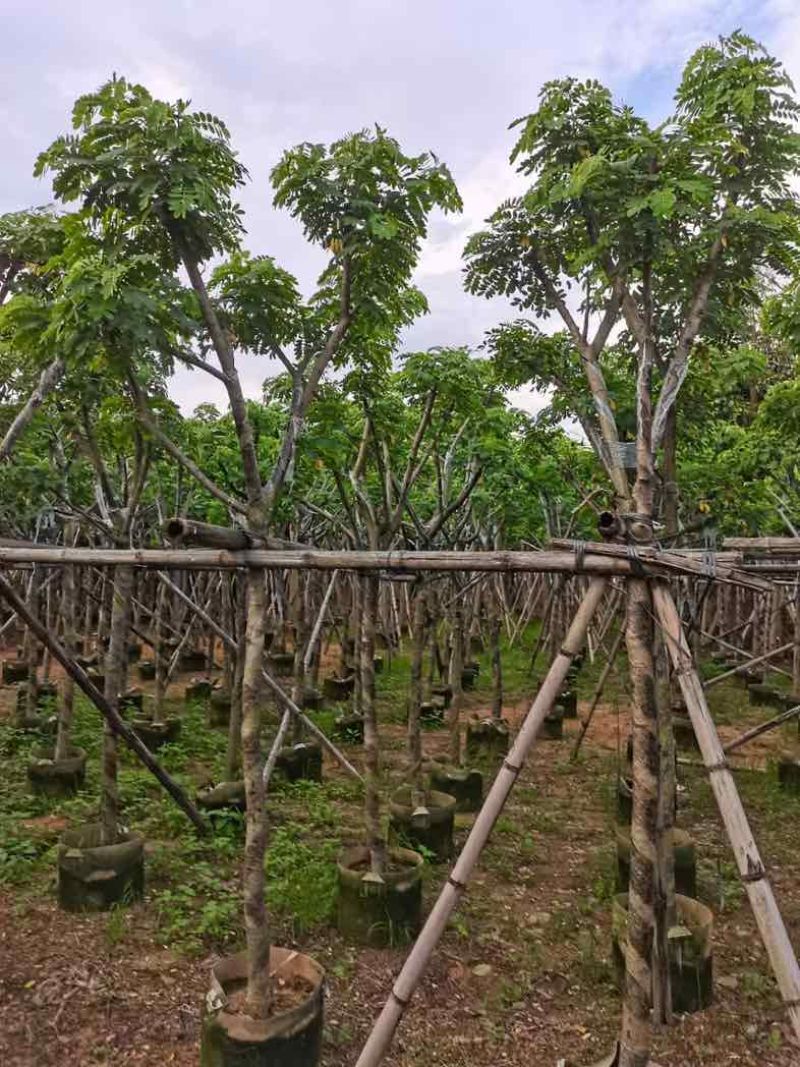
(599, 563)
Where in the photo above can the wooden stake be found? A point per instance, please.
(751, 869)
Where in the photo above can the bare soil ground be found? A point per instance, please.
(523, 973)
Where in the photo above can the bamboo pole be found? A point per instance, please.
(601, 681)
(751, 869)
(380, 1038)
(597, 559)
(757, 731)
(118, 724)
(749, 663)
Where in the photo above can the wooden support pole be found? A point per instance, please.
(749, 663)
(380, 1038)
(763, 728)
(598, 691)
(117, 724)
(751, 869)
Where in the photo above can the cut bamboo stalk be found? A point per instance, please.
(380, 1038)
(757, 731)
(751, 869)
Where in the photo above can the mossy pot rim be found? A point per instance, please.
(438, 803)
(693, 914)
(356, 855)
(70, 764)
(232, 970)
(87, 838)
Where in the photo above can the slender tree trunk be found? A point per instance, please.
(497, 662)
(115, 670)
(30, 646)
(235, 727)
(415, 695)
(670, 473)
(456, 683)
(68, 614)
(159, 652)
(372, 767)
(255, 912)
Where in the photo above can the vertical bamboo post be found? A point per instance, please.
(380, 1038)
(751, 869)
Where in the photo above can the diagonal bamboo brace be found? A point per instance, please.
(751, 869)
(414, 967)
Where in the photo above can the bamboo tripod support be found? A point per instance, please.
(380, 1038)
(751, 868)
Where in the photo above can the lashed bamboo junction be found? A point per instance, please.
(738, 571)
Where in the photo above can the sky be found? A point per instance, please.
(441, 75)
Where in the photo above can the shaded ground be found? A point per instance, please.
(522, 976)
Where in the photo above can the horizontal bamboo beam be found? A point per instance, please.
(183, 531)
(596, 559)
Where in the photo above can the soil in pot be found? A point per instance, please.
(553, 725)
(56, 778)
(94, 877)
(156, 734)
(335, 688)
(198, 689)
(350, 729)
(385, 913)
(292, 1034)
(219, 707)
(432, 831)
(301, 761)
(684, 854)
(690, 949)
(487, 739)
(227, 796)
(466, 787)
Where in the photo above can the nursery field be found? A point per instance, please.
(524, 974)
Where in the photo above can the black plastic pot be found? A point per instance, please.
(684, 854)
(553, 725)
(487, 740)
(97, 679)
(568, 701)
(94, 877)
(156, 734)
(198, 689)
(350, 729)
(147, 670)
(466, 787)
(624, 801)
(789, 775)
(281, 662)
(311, 700)
(385, 913)
(431, 714)
(683, 731)
(377, 664)
(219, 707)
(14, 672)
(301, 761)
(134, 651)
(469, 675)
(227, 796)
(56, 778)
(289, 1039)
(691, 967)
(444, 693)
(338, 688)
(433, 830)
(192, 660)
(765, 696)
(133, 700)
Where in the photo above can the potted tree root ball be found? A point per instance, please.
(290, 1037)
(302, 761)
(219, 706)
(487, 740)
(53, 776)
(92, 875)
(684, 855)
(427, 824)
(690, 952)
(465, 786)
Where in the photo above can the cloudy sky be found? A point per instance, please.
(446, 75)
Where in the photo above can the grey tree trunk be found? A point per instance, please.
(115, 671)
(68, 614)
(372, 763)
(455, 681)
(415, 694)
